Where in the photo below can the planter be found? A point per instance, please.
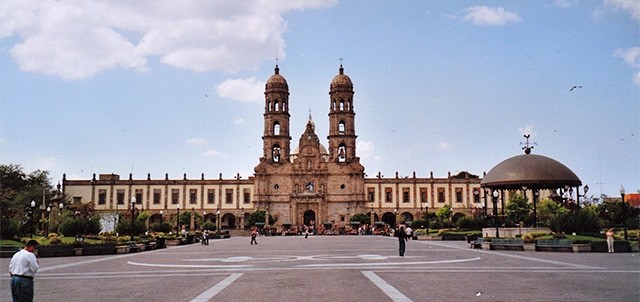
(78, 251)
(581, 247)
(486, 245)
(529, 246)
(172, 242)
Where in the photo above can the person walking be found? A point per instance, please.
(22, 269)
(254, 234)
(402, 239)
(609, 235)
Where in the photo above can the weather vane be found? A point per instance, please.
(527, 146)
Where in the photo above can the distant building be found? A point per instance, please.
(309, 185)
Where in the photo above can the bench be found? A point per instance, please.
(148, 245)
(133, 248)
(553, 245)
(477, 243)
(507, 244)
(7, 251)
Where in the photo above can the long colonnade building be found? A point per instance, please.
(311, 185)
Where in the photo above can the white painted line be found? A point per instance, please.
(389, 290)
(188, 266)
(210, 293)
(381, 264)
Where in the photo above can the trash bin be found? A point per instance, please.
(160, 243)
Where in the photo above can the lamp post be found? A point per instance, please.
(178, 220)
(586, 189)
(495, 211)
(161, 217)
(33, 213)
(133, 213)
(48, 220)
(624, 214)
(426, 217)
(373, 216)
(395, 218)
(218, 226)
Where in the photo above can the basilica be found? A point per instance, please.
(309, 185)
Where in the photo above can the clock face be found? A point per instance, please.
(308, 137)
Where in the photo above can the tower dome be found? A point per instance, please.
(277, 80)
(341, 80)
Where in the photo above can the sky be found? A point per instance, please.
(440, 86)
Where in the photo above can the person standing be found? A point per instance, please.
(409, 232)
(254, 234)
(402, 238)
(609, 235)
(22, 269)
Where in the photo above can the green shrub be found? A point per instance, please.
(471, 223)
(578, 221)
(124, 227)
(10, 228)
(209, 226)
(161, 227)
(73, 226)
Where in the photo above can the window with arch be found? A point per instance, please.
(333, 105)
(276, 105)
(342, 153)
(341, 105)
(275, 153)
(276, 128)
(341, 127)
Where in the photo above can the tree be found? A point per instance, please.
(444, 214)
(518, 209)
(17, 191)
(361, 217)
(258, 217)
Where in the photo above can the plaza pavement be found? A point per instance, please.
(335, 268)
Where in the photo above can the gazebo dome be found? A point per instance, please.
(533, 171)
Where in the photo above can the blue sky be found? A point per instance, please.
(444, 86)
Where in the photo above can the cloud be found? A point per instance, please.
(238, 121)
(631, 56)
(444, 146)
(245, 90)
(78, 39)
(211, 153)
(565, 3)
(629, 5)
(489, 16)
(195, 141)
(365, 149)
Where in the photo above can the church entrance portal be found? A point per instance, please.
(309, 218)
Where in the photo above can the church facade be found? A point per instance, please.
(310, 185)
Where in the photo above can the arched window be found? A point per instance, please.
(341, 127)
(275, 153)
(342, 153)
(341, 105)
(333, 105)
(276, 128)
(276, 105)
(269, 105)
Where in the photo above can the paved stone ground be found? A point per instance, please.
(335, 268)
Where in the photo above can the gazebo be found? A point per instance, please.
(528, 172)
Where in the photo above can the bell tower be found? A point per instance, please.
(276, 138)
(342, 132)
